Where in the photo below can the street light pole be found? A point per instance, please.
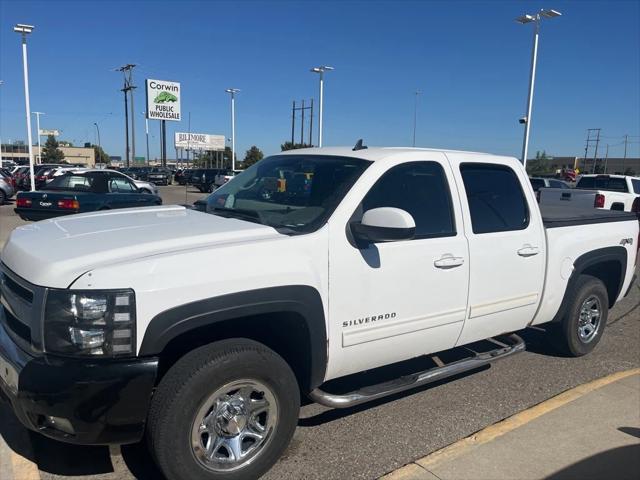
(535, 19)
(146, 131)
(24, 30)
(37, 114)
(320, 70)
(415, 115)
(233, 92)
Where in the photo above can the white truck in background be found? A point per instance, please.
(329, 262)
(608, 192)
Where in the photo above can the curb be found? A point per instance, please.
(450, 452)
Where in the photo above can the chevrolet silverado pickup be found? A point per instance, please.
(609, 192)
(200, 331)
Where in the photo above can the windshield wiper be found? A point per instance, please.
(249, 215)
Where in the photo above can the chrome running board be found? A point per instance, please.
(508, 345)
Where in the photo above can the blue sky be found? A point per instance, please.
(470, 59)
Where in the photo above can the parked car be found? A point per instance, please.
(143, 187)
(79, 192)
(160, 176)
(329, 262)
(204, 179)
(138, 173)
(539, 182)
(182, 176)
(7, 187)
(609, 192)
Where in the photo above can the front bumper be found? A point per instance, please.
(105, 401)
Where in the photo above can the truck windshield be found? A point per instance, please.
(292, 193)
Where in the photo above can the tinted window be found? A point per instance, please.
(495, 198)
(537, 183)
(71, 182)
(612, 184)
(557, 184)
(421, 189)
(636, 185)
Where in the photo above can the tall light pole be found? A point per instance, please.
(37, 114)
(232, 92)
(98, 132)
(25, 30)
(415, 115)
(535, 19)
(320, 70)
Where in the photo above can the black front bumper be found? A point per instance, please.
(105, 401)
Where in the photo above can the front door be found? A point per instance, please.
(398, 300)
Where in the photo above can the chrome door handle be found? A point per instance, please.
(528, 251)
(448, 261)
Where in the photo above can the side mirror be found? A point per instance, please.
(384, 224)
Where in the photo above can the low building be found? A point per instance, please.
(19, 153)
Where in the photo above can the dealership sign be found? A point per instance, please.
(44, 131)
(199, 141)
(163, 100)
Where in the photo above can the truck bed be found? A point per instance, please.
(554, 216)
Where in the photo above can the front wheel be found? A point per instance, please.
(225, 411)
(583, 323)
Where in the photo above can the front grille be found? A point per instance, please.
(22, 305)
(16, 326)
(19, 290)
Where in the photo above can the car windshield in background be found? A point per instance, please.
(294, 194)
(79, 183)
(611, 184)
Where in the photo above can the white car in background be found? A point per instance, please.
(224, 177)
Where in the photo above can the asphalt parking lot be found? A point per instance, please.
(372, 439)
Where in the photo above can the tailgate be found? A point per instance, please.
(562, 196)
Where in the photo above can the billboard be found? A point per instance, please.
(199, 141)
(163, 100)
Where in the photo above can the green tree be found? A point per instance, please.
(293, 146)
(101, 156)
(51, 153)
(253, 155)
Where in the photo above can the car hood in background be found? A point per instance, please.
(55, 252)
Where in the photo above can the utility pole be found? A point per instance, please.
(606, 159)
(146, 130)
(128, 87)
(588, 143)
(25, 30)
(293, 122)
(415, 115)
(595, 154)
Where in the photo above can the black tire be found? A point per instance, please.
(210, 189)
(566, 336)
(3, 197)
(188, 385)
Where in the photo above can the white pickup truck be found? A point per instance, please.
(609, 192)
(328, 262)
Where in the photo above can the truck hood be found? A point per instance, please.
(55, 252)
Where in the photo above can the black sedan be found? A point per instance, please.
(82, 192)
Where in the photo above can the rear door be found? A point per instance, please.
(506, 248)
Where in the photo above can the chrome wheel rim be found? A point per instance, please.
(234, 425)
(589, 320)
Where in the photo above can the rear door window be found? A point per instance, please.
(636, 185)
(495, 197)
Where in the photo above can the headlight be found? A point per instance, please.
(90, 322)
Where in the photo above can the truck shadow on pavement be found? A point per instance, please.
(620, 463)
(13, 433)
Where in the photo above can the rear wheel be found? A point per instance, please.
(3, 197)
(584, 321)
(225, 411)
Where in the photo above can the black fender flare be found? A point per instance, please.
(586, 260)
(301, 299)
